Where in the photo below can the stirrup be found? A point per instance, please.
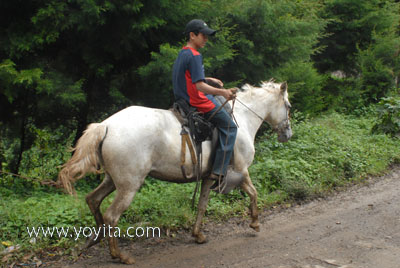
(228, 182)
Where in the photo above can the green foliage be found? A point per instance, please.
(343, 94)
(40, 209)
(7, 150)
(283, 33)
(13, 79)
(305, 87)
(351, 26)
(388, 116)
(41, 162)
(323, 154)
(284, 36)
(46, 155)
(379, 65)
(160, 66)
(362, 43)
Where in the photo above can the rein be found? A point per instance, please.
(259, 117)
(216, 111)
(248, 108)
(236, 99)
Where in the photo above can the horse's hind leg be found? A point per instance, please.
(201, 209)
(123, 199)
(94, 200)
(249, 188)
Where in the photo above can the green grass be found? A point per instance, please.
(325, 153)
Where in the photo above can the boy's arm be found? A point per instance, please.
(216, 81)
(207, 89)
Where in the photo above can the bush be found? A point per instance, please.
(389, 116)
(305, 86)
(323, 154)
(40, 162)
(376, 74)
(342, 94)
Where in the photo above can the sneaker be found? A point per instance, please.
(219, 183)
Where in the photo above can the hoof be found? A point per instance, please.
(255, 226)
(125, 258)
(200, 238)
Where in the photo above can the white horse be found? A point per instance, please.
(140, 141)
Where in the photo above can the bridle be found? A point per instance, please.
(283, 124)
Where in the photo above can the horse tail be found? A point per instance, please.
(86, 158)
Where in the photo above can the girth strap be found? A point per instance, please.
(187, 141)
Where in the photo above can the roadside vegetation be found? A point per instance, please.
(65, 64)
(326, 153)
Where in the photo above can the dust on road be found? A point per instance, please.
(357, 228)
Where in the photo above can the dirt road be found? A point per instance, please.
(357, 228)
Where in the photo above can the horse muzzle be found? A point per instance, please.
(285, 134)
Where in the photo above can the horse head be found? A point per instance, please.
(279, 116)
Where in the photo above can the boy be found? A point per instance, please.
(189, 83)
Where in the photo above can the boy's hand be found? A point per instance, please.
(230, 94)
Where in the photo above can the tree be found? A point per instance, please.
(72, 62)
(379, 65)
(352, 24)
(361, 43)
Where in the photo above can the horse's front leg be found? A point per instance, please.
(201, 209)
(249, 188)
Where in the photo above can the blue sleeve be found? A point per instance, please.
(196, 68)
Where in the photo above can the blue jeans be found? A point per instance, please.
(227, 131)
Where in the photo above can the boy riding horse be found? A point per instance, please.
(189, 83)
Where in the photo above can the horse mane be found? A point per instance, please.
(269, 86)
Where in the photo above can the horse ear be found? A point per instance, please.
(283, 87)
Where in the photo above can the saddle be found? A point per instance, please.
(199, 128)
(195, 129)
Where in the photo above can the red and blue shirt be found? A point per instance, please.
(187, 71)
